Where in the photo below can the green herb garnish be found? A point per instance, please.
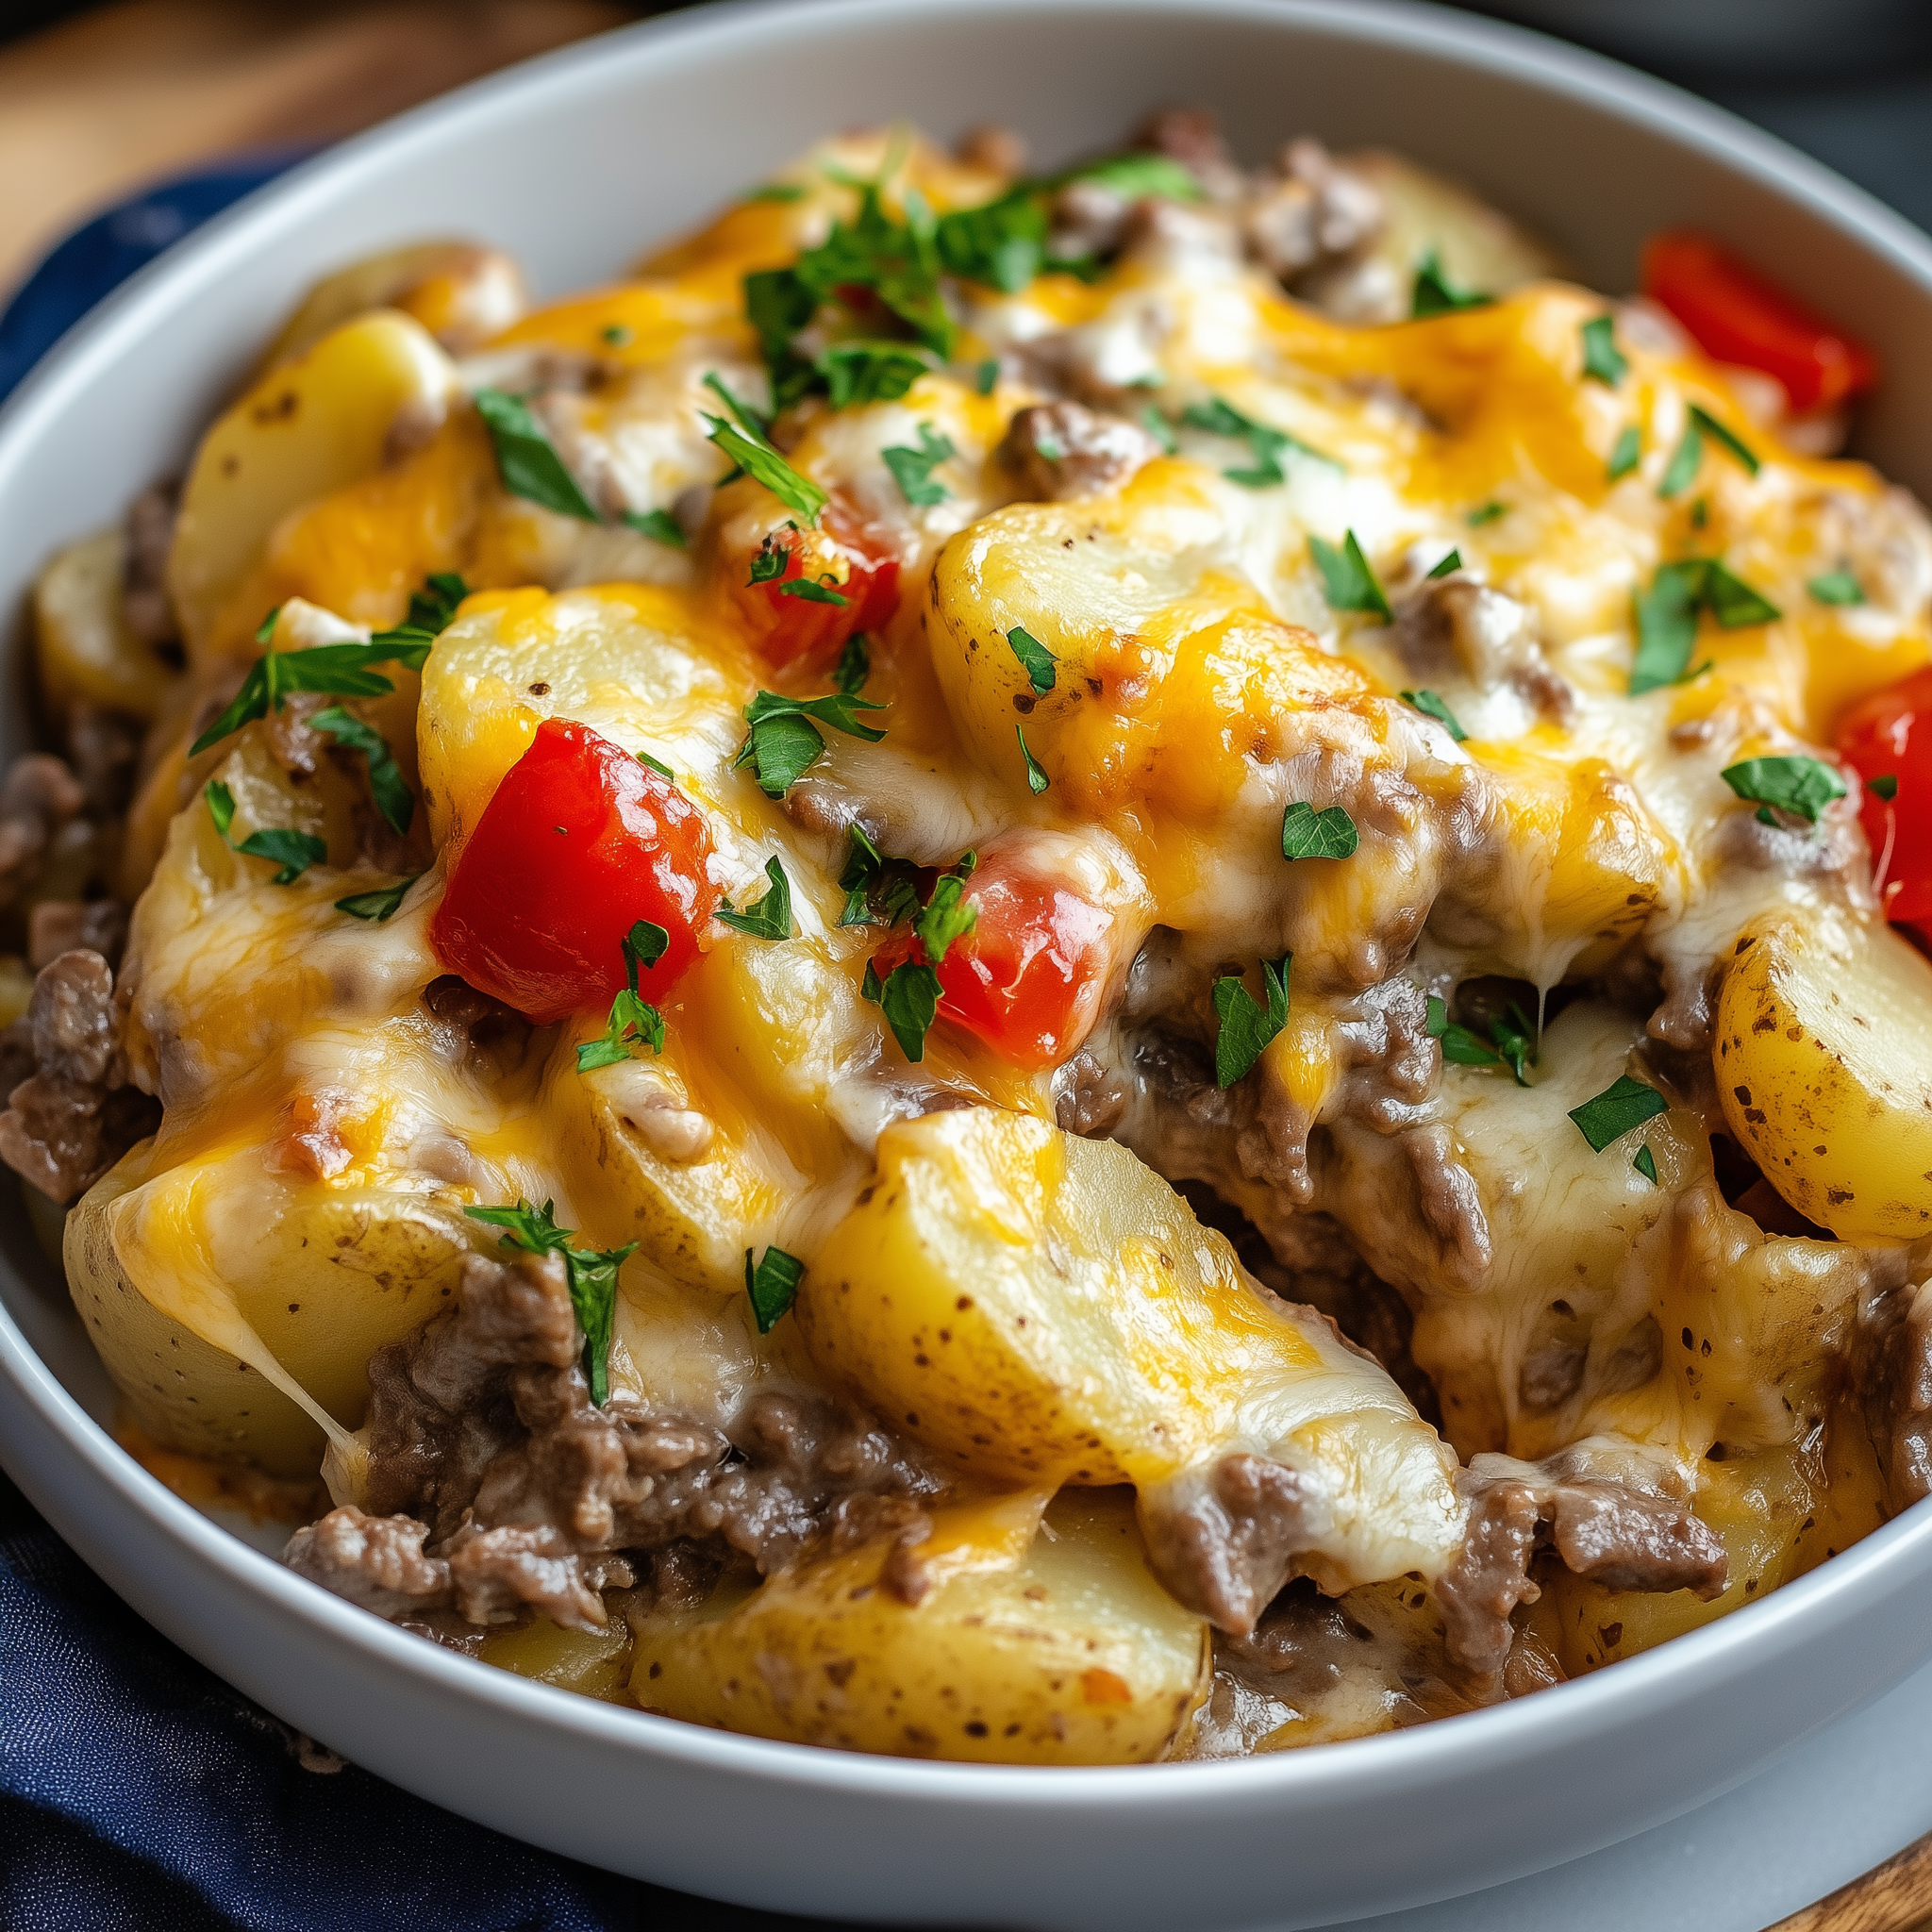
(1036, 781)
(855, 665)
(379, 905)
(1667, 617)
(1433, 293)
(336, 670)
(912, 468)
(1486, 513)
(1621, 1105)
(1837, 587)
(860, 371)
(1602, 362)
(1036, 660)
(1645, 1163)
(1801, 786)
(989, 373)
(1265, 445)
(387, 784)
(1727, 439)
(947, 916)
(1347, 580)
(910, 998)
(1307, 833)
(763, 464)
(1246, 1026)
(785, 743)
(1430, 705)
(765, 918)
(659, 526)
(525, 460)
(1627, 454)
(293, 851)
(1451, 562)
(773, 1286)
(1885, 787)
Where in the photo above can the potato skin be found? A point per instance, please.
(1027, 1649)
(1824, 1072)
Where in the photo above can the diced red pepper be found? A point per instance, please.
(788, 628)
(1028, 978)
(1736, 315)
(580, 843)
(1885, 737)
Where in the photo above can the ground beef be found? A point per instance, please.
(1062, 450)
(482, 1433)
(104, 748)
(145, 607)
(61, 925)
(1891, 1358)
(1600, 1528)
(473, 1028)
(39, 799)
(1454, 628)
(375, 1562)
(75, 1114)
(1224, 1540)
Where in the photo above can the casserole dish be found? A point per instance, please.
(1397, 1819)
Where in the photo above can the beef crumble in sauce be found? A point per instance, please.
(1023, 966)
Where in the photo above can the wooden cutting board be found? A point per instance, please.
(1897, 1897)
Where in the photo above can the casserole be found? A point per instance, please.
(1434, 1856)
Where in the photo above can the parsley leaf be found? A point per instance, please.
(379, 905)
(1265, 444)
(1002, 243)
(387, 784)
(989, 373)
(644, 945)
(766, 918)
(592, 1273)
(659, 526)
(1246, 1027)
(529, 466)
(1486, 513)
(912, 468)
(266, 628)
(1137, 175)
(763, 464)
(1452, 562)
(777, 191)
(1729, 440)
(862, 372)
(1627, 454)
(433, 608)
(898, 261)
(947, 916)
(773, 1286)
(771, 560)
(878, 890)
(1666, 626)
(1645, 1163)
(1686, 460)
(295, 852)
(1158, 426)
(1515, 1041)
(336, 670)
(1036, 660)
(221, 806)
(1430, 705)
(1602, 362)
(910, 998)
(814, 592)
(1036, 781)
(1433, 293)
(1621, 1105)
(855, 665)
(1885, 787)
(784, 742)
(1347, 580)
(1459, 1046)
(633, 1021)
(1733, 602)
(1837, 587)
(658, 765)
(1307, 833)
(1801, 786)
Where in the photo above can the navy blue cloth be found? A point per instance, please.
(110, 248)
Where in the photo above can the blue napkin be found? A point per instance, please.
(137, 1792)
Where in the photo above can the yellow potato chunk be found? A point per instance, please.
(460, 293)
(1824, 1069)
(1041, 1309)
(86, 652)
(1028, 1647)
(303, 431)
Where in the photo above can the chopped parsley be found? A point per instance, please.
(659, 526)
(1885, 787)
(910, 998)
(763, 464)
(1645, 1163)
(619, 335)
(1452, 562)
(1801, 786)
(773, 1286)
(1246, 1026)
(525, 460)
(912, 468)
(863, 371)
(1486, 513)
(592, 1273)
(1667, 617)
(1159, 429)
(293, 851)
(1307, 833)
(379, 905)
(1036, 660)
(1036, 781)
(768, 917)
(1727, 439)
(1602, 362)
(1265, 445)
(1430, 705)
(1464, 1048)
(658, 765)
(772, 559)
(1621, 1105)
(1515, 1041)
(947, 916)
(778, 190)
(784, 741)
(1627, 454)
(987, 374)
(1348, 582)
(812, 590)
(432, 609)
(387, 784)
(1837, 587)
(1433, 293)
(633, 1020)
(855, 665)
(878, 890)
(1688, 458)
(336, 670)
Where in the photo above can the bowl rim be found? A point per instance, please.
(1743, 1641)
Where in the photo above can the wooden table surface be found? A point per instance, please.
(129, 94)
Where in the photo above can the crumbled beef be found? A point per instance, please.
(104, 748)
(1062, 450)
(1454, 626)
(1890, 1356)
(1224, 1540)
(481, 1430)
(1601, 1529)
(991, 145)
(145, 607)
(1090, 1098)
(38, 800)
(472, 1026)
(1191, 136)
(375, 1562)
(1314, 213)
(75, 1114)
(61, 925)
(1088, 219)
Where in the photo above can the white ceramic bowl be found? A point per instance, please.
(574, 162)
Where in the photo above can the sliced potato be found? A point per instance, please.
(462, 293)
(1028, 1648)
(1824, 1069)
(85, 651)
(1043, 1309)
(303, 431)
